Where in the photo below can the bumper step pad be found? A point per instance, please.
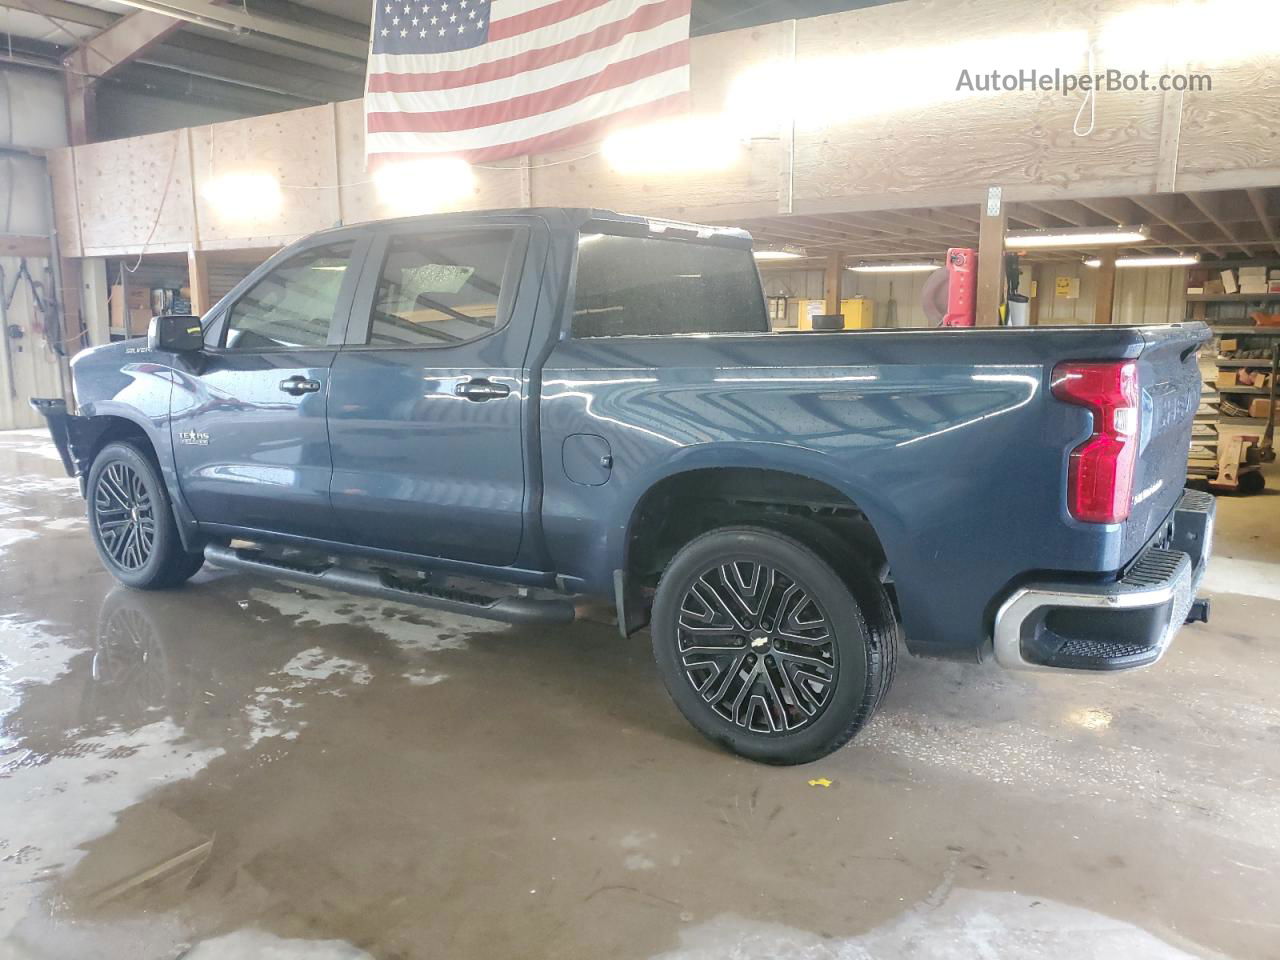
(1125, 623)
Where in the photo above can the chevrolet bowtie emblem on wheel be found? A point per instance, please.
(194, 438)
(759, 641)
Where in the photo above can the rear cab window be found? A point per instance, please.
(646, 286)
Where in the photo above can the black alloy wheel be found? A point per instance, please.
(125, 516)
(757, 647)
(776, 641)
(132, 522)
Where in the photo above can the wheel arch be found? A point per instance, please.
(95, 428)
(753, 484)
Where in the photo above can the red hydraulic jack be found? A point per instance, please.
(962, 281)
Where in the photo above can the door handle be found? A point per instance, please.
(297, 386)
(479, 390)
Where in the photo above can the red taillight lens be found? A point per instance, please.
(1100, 480)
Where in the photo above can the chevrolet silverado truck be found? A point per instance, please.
(516, 414)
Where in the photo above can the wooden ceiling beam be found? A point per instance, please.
(1159, 207)
(1258, 200)
(1209, 206)
(1044, 208)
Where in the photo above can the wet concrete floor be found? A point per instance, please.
(240, 768)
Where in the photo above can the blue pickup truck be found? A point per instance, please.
(514, 414)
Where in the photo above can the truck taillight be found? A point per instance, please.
(1100, 478)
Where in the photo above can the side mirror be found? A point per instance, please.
(176, 333)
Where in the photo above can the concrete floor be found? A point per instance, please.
(241, 769)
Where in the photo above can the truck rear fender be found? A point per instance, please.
(764, 473)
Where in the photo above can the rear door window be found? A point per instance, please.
(646, 286)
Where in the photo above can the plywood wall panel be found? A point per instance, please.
(496, 186)
(748, 188)
(296, 147)
(134, 192)
(1234, 127)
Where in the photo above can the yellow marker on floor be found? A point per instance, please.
(820, 782)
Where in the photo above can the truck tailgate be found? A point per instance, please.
(1169, 378)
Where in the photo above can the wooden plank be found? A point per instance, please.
(66, 207)
(1033, 308)
(1104, 294)
(832, 281)
(991, 279)
(1170, 140)
(198, 281)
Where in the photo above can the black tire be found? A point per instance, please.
(1255, 481)
(852, 668)
(131, 520)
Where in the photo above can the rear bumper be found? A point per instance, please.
(1111, 626)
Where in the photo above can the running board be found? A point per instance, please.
(387, 586)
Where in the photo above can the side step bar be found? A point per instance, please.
(390, 587)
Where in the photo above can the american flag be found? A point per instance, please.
(489, 79)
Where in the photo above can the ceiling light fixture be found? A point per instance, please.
(1179, 261)
(1077, 237)
(921, 267)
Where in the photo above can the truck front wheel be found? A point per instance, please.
(776, 650)
(132, 522)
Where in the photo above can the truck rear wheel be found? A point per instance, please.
(132, 523)
(777, 650)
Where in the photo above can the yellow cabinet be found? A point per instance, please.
(858, 313)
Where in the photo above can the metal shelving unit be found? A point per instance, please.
(1227, 451)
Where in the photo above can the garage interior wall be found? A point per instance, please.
(1148, 295)
(32, 118)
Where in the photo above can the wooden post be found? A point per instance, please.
(1105, 295)
(1033, 314)
(831, 282)
(198, 281)
(991, 280)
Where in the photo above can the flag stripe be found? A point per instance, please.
(535, 81)
(491, 79)
(611, 77)
(542, 17)
(404, 147)
(605, 103)
(604, 14)
(673, 13)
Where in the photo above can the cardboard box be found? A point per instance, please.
(1253, 289)
(1228, 345)
(1228, 378)
(1228, 279)
(1252, 273)
(1213, 287)
(1194, 291)
(139, 310)
(1258, 407)
(1273, 286)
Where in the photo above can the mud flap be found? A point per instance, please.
(55, 413)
